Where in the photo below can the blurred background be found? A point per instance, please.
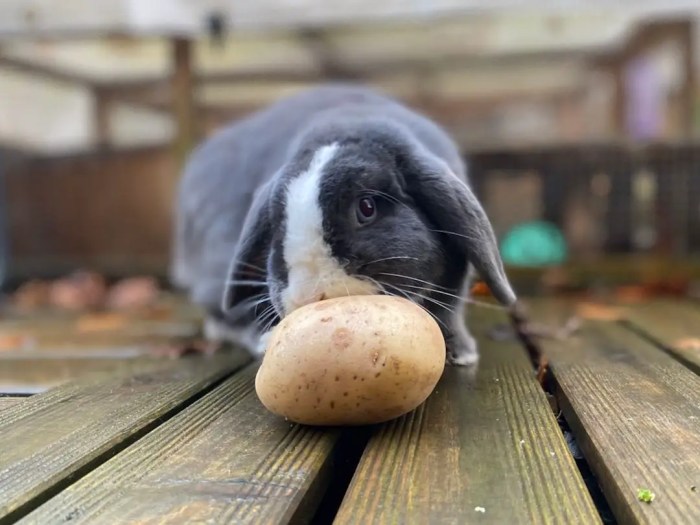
(579, 119)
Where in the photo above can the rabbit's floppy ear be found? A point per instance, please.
(245, 277)
(454, 210)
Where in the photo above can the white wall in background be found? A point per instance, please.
(50, 116)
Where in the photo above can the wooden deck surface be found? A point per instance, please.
(99, 425)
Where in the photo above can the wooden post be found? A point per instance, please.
(183, 98)
(619, 108)
(4, 226)
(103, 106)
(688, 89)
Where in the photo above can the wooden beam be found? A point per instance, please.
(450, 112)
(183, 98)
(326, 55)
(50, 72)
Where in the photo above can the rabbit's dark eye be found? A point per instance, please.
(366, 210)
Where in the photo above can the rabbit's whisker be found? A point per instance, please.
(411, 297)
(413, 279)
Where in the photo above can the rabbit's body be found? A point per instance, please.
(275, 194)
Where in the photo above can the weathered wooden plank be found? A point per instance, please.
(106, 335)
(98, 347)
(224, 459)
(48, 439)
(673, 324)
(8, 401)
(484, 449)
(32, 375)
(635, 412)
(47, 331)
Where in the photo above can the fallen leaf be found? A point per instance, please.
(175, 350)
(81, 290)
(102, 322)
(598, 312)
(542, 370)
(480, 289)
(13, 341)
(31, 295)
(687, 343)
(632, 294)
(132, 293)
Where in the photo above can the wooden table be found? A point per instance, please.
(98, 427)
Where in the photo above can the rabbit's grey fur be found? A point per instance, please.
(267, 215)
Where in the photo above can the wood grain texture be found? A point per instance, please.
(635, 412)
(224, 459)
(8, 401)
(97, 334)
(33, 375)
(49, 438)
(487, 442)
(671, 324)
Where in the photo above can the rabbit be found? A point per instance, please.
(337, 190)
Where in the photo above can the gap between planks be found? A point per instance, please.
(484, 448)
(635, 412)
(674, 325)
(224, 459)
(53, 438)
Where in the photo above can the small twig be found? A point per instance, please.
(178, 349)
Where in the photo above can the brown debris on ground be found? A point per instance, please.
(86, 291)
(177, 350)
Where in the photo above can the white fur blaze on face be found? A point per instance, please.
(313, 273)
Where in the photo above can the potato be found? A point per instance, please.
(351, 361)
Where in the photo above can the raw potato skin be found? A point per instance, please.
(351, 361)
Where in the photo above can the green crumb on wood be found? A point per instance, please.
(645, 495)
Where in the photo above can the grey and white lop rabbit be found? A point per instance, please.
(339, 190)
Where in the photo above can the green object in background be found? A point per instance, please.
(535, 243)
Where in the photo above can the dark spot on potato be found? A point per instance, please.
(275, 396)
(341, 338)
(299, 387)
(326, 319)
(332, 405)
(362, 379)
(376, 334)
(337, 378)
(377, 374)
(318, 399)
(357, 404)
(383, 364)
(354, 378)
(296, 399)
(345, 394)
(375, 357)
